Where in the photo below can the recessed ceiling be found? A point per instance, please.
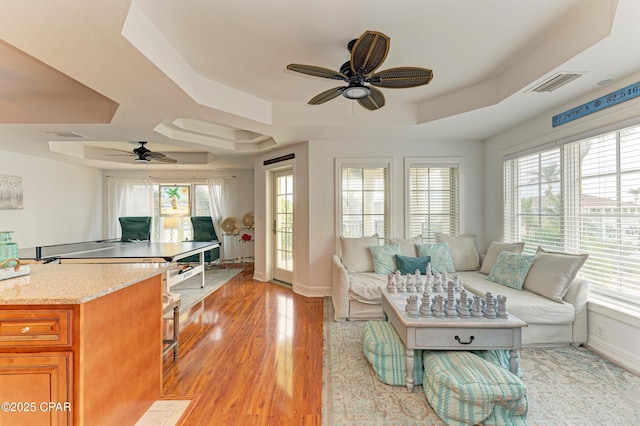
(211, 77)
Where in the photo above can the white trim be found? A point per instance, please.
(614, 354)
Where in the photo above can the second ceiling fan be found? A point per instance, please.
(367, 54)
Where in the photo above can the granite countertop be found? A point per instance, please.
(59, 284)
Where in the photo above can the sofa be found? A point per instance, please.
(542, 289)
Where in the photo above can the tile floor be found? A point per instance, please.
(164, 412)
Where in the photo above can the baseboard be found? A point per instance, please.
(614, 354)
(311, 291)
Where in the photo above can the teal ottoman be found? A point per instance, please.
(464, 389)
(387, 354)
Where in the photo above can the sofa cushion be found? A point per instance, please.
(494, 250)
(366, 287)
(409, 265)
(463, 251)
(529, 307)
(407, 245)
(439, 254)
(511, 269)
(384, 258)
(356, 256)
(552, 272)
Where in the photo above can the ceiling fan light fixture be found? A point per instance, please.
(356, 92)
(142, 160)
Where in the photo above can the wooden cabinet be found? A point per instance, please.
(88, 364)
(36, 388)
(36, 366)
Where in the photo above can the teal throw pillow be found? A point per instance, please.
(408, 265)
(384, 258)
(440, 256)
(511, 269)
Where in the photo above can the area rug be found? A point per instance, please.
(191, 292)
(565, 386)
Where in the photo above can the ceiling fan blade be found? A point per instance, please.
(401, 77)
(327, 95)
(317, 71)
(163, 159)
(369, 52)
(374, 101)
(154, 155)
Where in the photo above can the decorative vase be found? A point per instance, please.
(8, 249)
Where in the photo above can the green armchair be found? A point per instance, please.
(135, 228)
(203, 231)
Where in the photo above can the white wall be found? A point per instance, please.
(621, 340)
(316, 237)
(61, 201)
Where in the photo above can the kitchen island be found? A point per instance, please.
(80, 344)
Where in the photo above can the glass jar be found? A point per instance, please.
(8, 249)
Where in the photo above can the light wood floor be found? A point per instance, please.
(250, 354)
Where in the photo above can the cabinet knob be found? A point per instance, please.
(25, 330)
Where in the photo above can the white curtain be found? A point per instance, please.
(129, 197)
(218, 212)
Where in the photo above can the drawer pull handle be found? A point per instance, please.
(25, 330)
(464, 343)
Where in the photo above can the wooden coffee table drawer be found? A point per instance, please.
(465, 338)
(35, 328)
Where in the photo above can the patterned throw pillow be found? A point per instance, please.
(408, 265)
(511, 269)
(439, 254)
(384, 258)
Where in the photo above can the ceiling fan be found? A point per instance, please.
(367, 54)
(144, 155)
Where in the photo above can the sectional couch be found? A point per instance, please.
(551, 299)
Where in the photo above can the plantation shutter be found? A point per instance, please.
(433, 200)
(365, 199)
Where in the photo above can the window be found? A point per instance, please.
(198, 205)
(582, 197)
(364, 198)
(433, 199)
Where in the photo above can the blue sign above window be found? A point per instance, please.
(606, 101)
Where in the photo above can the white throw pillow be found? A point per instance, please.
(356, 256)
(407, 245)
(552, 273)
(495, 248)
(463, 251)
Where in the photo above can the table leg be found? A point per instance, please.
(201, 259)
(514, 361)
(410, 361)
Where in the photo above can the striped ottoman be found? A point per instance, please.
(387, 355)
(464, 389)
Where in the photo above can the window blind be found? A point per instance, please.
(364, 201)
(433, 200)
(582, 197)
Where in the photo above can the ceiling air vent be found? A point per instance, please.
(65, 134)
(554, 82)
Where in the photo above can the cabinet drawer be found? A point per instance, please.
(466, 338)
(36, 328)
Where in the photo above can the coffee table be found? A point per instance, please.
(462, 334)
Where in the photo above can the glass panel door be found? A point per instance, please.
(283, 226)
